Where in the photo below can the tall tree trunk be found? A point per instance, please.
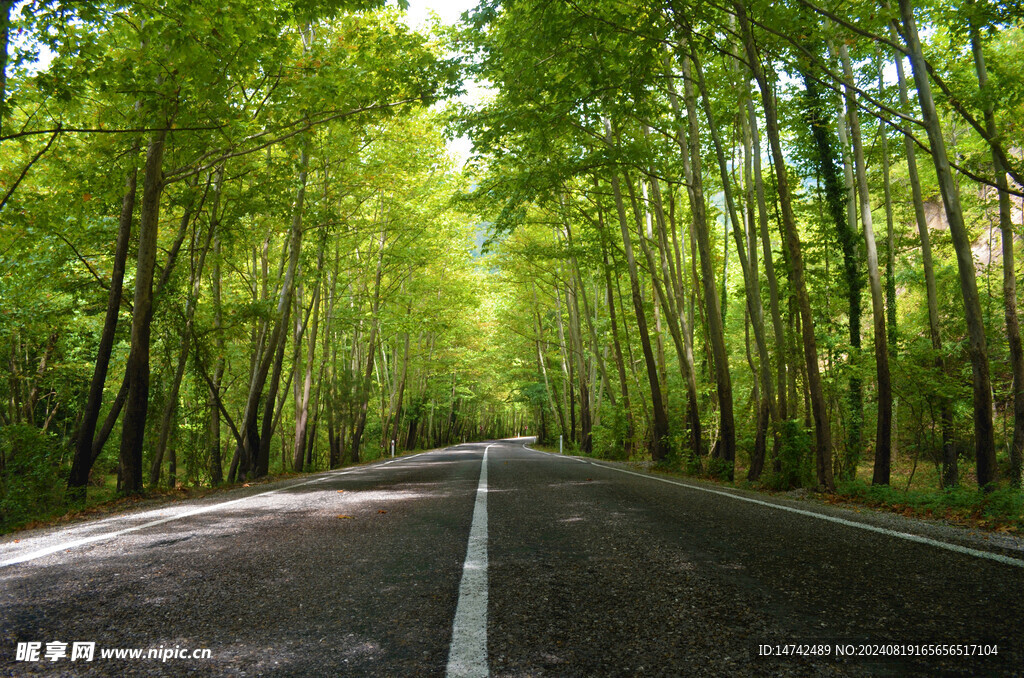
(371, 351)
(403, 380)
(617, 346)
(765, 414)
(137, 404)
(251, 452)
(572, 303)
(82, 463)
(171, 406)
(302, 409)
(216, 470)
(542, 365)
(678, 329)
(751, 283)
(778, 328)
(823, 431)
(577, 278)
(695, 184)
(890, 236)
(568, 371)
(883, 431)
(950, 473)
(1009, 262)
(273, 406)
(845, 220)
(673, 271)
(984, 429)
(659, 442)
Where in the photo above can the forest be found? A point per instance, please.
(764, 242)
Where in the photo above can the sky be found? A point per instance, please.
(449, 12)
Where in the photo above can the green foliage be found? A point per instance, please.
(794, 466)
(467, 344)
(1002, 507)
(609, 437)
(719, 468)
(31, 474)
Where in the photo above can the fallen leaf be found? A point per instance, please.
(381, 511)
(344, 517)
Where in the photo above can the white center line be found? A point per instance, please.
(468, 653)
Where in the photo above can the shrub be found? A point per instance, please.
(793, 468)
(31, 478)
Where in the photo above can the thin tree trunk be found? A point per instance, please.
(845, 221)
(302, 411)
(778, 327)
(542, 364)
(572, 302)
(752, 286)
(371, 351)
(568, 401)
(172, 398)
(984, 429)
(251, 451)
(678, 329)
(617, 346)
(1009, 264)
(82, 463)
(659, 442)
(883, 431)
(216, 470)
(823, 431)
(716, 334)
(587, 442)
(890, 236)
(950, 473)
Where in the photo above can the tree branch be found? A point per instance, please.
(31, 162)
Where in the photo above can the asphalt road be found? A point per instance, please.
(535, 565)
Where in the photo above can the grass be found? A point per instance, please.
(1000, 511)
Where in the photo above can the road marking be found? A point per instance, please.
(411, 456)
(956, 548)
(64, 546)
(560, 456)
(468, 653)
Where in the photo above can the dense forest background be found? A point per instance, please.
(751, 240)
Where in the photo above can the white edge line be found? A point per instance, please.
(49, 550)
(560, 456)
(467, 655)
(956, 548)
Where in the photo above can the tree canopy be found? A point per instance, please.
(234, 242)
